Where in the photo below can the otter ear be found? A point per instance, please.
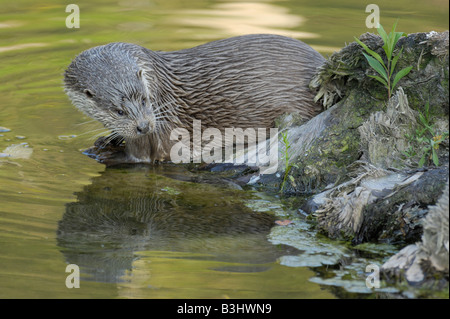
(88, 93)
(140, 73)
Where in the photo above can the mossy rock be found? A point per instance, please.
(344, 76)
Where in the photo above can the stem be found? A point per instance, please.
(389, 79)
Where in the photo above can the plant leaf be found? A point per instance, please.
(422, 160)
(394, 61)
(379, 79)
(422, 119)
(386, 40)
(377, 67)
(382, 33)
(391, 41)
(400, 74)
(391, 45)
(394, 26)
(398, 35)
(435, 157)
(386, 48)
(372, 53)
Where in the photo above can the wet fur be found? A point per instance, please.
(244, 82)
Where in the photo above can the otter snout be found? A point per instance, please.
(143, 128)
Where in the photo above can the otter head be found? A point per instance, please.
(108, 84)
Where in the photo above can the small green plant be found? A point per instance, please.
(426, 138)
(429, 138)
(386, 71)
(286, 158)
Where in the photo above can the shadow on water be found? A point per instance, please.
(140, 208)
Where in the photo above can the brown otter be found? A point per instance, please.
(141, 95)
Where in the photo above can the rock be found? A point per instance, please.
(426, 262)
(356, 123)
(378, 205)
(435, 242)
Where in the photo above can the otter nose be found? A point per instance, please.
(142, 128)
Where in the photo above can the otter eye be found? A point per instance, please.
(120, 112)
(143, 102)
(88, 93)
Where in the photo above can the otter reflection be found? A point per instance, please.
(137, 208)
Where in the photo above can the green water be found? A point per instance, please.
(155, 232)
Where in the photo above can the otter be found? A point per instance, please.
(141, 95)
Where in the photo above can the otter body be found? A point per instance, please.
(142, 95)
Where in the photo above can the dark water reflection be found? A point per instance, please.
(137, 208)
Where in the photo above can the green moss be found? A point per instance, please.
(330, 154)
